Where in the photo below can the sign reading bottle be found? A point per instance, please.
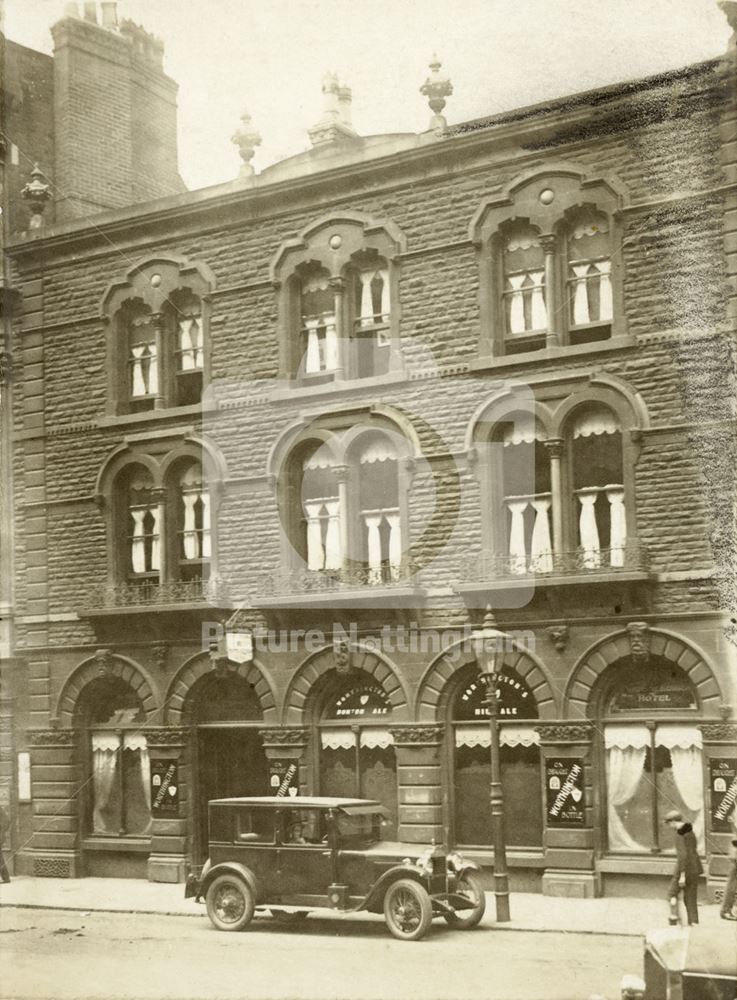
(723, 791)
(565, 800)
(164, 787)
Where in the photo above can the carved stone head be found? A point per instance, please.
(639, 635)
(343, 657)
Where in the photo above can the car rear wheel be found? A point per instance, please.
(469, 886)
(230, 903)
(288, 916)
(407, 910)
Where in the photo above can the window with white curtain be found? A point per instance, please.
(590, 302)
(380, 525)
(185, 320)
(647, 775)
(321, 512)
(120, 787)
(143, 534)
(524, 293)
(598, 488)
(318, 324)
(527, 499)
(142, 360)
(194, 524)
(371, 316)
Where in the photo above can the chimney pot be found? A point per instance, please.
(109, 14)
(90, 12)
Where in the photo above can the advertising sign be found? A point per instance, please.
(565, 800)
(164, 787)
(284, 778)
(723, 793)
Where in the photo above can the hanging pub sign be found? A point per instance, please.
(164, 787)
(565, 799)
(284, 778)
(723, 789)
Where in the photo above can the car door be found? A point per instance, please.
(303, 856)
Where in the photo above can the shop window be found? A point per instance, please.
(120, 764)
(649, 773)
(357, 757)
(519, 758)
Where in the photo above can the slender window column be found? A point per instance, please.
(159, 496)
(338, 287)
(555, 450)
(548, 242)
(161, 370)
(341, 473)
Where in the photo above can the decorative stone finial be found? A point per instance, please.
(335, 124)
(436, 88)
(246, 138)
(36, 193)
(489, 619)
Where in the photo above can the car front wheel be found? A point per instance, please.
(470, 887)
(230, 903)
(407, 910)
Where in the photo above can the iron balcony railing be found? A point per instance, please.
(148, 593)
(630, 558)
(305, 581)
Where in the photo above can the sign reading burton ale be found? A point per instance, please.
(164, 787)
(722, 792)
(565, 800)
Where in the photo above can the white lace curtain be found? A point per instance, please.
(509, 736)
(323, 533)
(585, 278)
(190, 343)
(106, 748)
(343, 738)
(145, 516)
(527, 311)
(374, 296)
(196, 539)
(144, 370)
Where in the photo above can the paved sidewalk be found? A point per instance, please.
(630, 917)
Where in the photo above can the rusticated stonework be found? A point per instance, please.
(416, 734)
(565, 733)
(51, 737)
(291, 736)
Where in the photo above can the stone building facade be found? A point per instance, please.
(341, 408)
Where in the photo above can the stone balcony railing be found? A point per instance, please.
(626, 560)
(151, 594)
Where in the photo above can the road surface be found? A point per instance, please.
(67, 955)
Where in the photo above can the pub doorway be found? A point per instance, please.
(229, 758)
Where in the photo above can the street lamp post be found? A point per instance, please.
(489, 649)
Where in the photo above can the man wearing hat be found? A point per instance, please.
(688, 865)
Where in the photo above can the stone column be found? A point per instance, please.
(338, 287)
(555, 450)
(569, 846)
(552, 338)
(168, 859)
(54, 849)
(419, 780)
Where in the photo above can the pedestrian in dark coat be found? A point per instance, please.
(688, 865)
(4, 827)
(726, 911)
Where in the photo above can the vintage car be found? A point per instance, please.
(292, 855)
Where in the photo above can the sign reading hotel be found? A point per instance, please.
(565, 800)
(723, 793)
(164, 787)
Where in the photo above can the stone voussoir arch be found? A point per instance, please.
(316, 666)
(437, 681)
(101, 665)
(577, 697)
(181, 690)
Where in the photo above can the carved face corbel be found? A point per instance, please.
(343, 657)
(558, 636)
(639, 636)
(103, 661)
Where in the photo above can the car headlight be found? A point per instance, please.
(456, 861)
(424, 862)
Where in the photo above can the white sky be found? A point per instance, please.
(270, 55)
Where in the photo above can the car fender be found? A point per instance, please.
(376, 896)
(231, 868)
(467, 866)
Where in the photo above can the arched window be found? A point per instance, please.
(380, 538)
(589, 259)
(525, 312)
(120, 766)
(595, 455)
(520, 761)
(319, 334)
(653, 757)
(141, 515)
(185, 321)
(193, 524)
(356, 748)
(141, 363)
(368, 277)
(322, 514)
(526, 496)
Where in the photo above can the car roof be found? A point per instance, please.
(298, 802)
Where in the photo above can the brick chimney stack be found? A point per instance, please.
(115, 113)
